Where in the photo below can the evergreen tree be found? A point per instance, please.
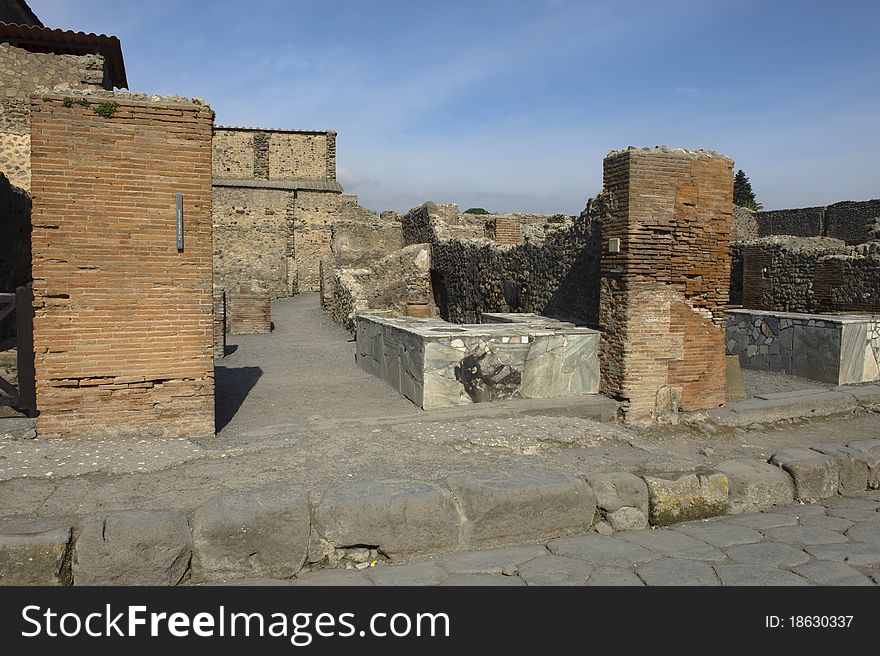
(742, 192)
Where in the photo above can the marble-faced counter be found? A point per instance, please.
(436, 364)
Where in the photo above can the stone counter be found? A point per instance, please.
(837, 349)
(436, 364)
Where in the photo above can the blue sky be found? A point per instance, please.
(512, 105)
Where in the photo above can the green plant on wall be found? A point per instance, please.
(70, 102)
(107, 108)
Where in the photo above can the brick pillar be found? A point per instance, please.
(665, 279)
(123, 317)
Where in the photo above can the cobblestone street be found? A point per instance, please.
(834, 542)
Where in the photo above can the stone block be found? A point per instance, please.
(871, 450)
(397, 517)
(35, 558)
(816, 476)
(622, 498)
(852, 465)
(734, 384)
(684, 497)
(132, 547)
(251, 535)
(756, 485)
(527, 504)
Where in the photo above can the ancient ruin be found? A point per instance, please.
(635, 298)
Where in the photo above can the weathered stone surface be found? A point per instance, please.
(674, 545)
(555, 570)
(254, 535)
(248, 583)
(602, 550)
(734, 384)
(804, 535)
(871, 450)
(756, 485)
(865, 532)
(528, 504)
(830, 523)
(677, 571)
(333, 577)
(397, 517)
(614, 576)
(482, 580)
(825, 572)
(816, 476)
(414, 574)
(858, 554)
(719, 534)
(756, 575)
(684, 497)
(852, 466)
(761, 521)
(132, 547)
(35, 558)
(492, 561)
(854, 514)
(771, 554)
(622, 498)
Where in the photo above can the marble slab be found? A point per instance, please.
(436, 364)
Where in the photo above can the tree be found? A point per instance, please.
(476, 210)
(742, 192)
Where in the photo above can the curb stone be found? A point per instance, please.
(524, 504)
(228, 540)
(36, 558)
(816, 476)
(251, 535)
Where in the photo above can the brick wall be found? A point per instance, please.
(248, 311)
(123, 322)
(663, 295)
(21, 72)
(507, 230)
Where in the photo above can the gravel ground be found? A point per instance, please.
(769, 382)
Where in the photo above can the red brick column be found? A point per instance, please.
(665, 278)
(123, 319)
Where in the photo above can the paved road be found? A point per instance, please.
(835, 542)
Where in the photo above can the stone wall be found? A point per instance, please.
(848, 283)
(666, 276)
(745, 224)
(274, 154)
(390, 285)
(802, 222)
(253, 241)
(21, 72)
(854, 222)
(554, 273)
(15, 236)
(123, 322)
(815, 274)
(275, 198)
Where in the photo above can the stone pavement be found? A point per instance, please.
(833, 542)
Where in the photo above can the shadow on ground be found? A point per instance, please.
(232, 386)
